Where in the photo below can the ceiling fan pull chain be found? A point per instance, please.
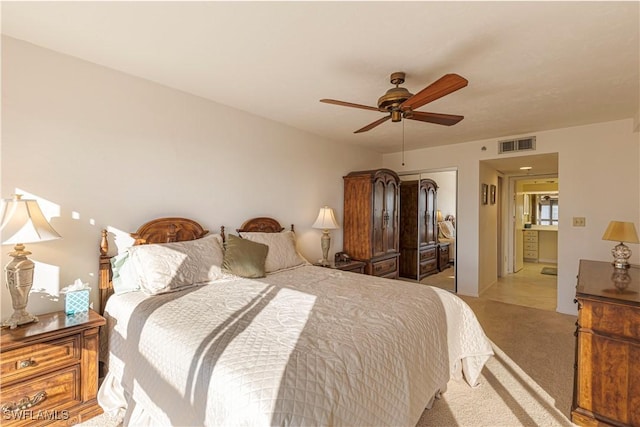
(403, 143)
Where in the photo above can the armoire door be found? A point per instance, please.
(423, 195)
(391, 234)
(430, 217)
(379, 230)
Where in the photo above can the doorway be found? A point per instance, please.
(527, 230)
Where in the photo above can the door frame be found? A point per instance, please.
(512, 223)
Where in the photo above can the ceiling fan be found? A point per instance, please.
(400, 103)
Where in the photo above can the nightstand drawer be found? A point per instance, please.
(354, 266)
(427, 267)
(36, 358)
(49, 394)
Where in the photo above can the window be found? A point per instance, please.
(548, 211)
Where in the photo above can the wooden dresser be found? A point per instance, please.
(49, 370)
(371, 232)
(607, 370)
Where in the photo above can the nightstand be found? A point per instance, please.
(353, 265)
(443, 256)
(49, 370)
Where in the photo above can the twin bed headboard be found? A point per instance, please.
(166, 230)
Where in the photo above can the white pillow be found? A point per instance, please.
(168, 267)
(282, 249)
(125, 278)
(447, 229)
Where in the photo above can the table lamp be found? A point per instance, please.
(326, 221)
(619, 231)
(22, 221)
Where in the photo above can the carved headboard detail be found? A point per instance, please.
(166, 230)
(262, 225)
(161, 230)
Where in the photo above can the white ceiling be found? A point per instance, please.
(531, 65)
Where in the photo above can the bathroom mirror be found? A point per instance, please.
(541, 208)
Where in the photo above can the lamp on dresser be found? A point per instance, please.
(619, 231)
(22, 221)
(326, 221)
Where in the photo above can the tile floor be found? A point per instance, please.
(528, 287)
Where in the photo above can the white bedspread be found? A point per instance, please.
(307, 346)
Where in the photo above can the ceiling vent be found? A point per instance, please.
(512, 145)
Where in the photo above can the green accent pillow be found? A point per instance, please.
(245, 258)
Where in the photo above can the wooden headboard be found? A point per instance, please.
(262, 225)
(161, 230)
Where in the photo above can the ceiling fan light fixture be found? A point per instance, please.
(393, 98)
(396, 115)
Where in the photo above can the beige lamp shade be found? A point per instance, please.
(22, 221)
(326, 219)
(619, 231)
(439, 215)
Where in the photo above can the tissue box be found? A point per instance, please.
(76, 301)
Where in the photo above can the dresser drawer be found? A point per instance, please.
(611, 319)
(56, 391)
(428, 267)
(385, 267)
(530, 233)
(427, 254)
(34, 359)
(530, 246)
(531, 239)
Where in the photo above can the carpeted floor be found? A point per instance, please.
(529, 382)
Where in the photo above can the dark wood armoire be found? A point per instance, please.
(418, 229)
(371, 220)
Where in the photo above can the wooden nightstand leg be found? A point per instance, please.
(90, 351)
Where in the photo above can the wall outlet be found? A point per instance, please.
(579, 221)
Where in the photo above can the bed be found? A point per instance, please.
(304, 345)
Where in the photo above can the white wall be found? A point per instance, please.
(488, 231)
(100, 149)
(599, 179)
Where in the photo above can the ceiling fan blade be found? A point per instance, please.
(437, 118)
(348, 104)
(374, 124)
(445, 85)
